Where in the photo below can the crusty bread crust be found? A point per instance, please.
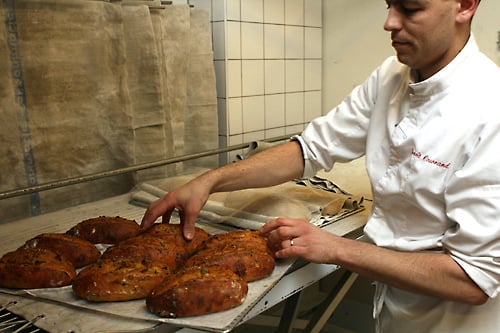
(118, 280)
(147, 249)
(78, 251)
(173, 236)
(30, 268)
(105, 229)
(242, 251)
(196, 291)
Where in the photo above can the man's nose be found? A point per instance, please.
(393, 20)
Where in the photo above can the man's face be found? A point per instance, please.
(424, 33)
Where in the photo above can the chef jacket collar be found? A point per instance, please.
(444, 78)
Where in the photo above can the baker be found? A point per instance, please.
(428, 122)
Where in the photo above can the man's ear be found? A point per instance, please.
(467, 9)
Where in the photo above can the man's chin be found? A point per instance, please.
(405, 59)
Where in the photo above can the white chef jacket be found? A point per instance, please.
(433, 157)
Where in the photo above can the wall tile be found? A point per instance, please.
(294, 80)
(313, 47)
(252, 40)
(252, 72)
(220, 77)
(312, 75)
(294, 12)
(274, 41)
(222, 116)
(233, 48)
(294, 42)
(254, 136)
(275, 110)
(233, 78)
(312, 105)
(274, 72)
(294, 104)
(253, 113)
(218, 7)
(233, 9)
(234, 140)
(223, 143)
(268, 61)
(289, 130)
(274, 132)
(234, 116)
(218, 40)
(274, 11)
(313, 13)
(252, 10)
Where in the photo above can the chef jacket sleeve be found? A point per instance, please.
(473, 202)
(340, 135)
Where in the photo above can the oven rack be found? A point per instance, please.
(12, 323)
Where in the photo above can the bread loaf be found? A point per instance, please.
(251, 265)
(197, 291)
(172, 235)
(78, 251)
(29, 268)
(243, 252)
(242, 239)
(149, 249)
(118, 280)
(105, 229)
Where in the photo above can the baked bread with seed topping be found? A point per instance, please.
(79, 252)
(118, 280)
(30, 268)
(105, 229)
(197, 291)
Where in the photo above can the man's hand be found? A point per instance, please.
(188, 200)
(298, 237)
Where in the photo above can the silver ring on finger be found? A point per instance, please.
(291, 242)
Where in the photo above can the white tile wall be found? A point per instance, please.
(294, 75)
(275, 111)
(253, 113)
(274, 41)
(252, 77)
(234, 116)
(294, 108)
(274, 72)
(268, 63)
(313, 13)
(274, 11)
(294, 12)
(252, 40)
(232, 45)
(233, 9)
(252, 10)
(312, 74)
(294, 42)
(312, 43)
(233, 78)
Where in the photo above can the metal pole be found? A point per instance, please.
(130, 169)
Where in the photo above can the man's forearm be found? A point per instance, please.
(435, 274)
(272, 166)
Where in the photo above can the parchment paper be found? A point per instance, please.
(216, 322)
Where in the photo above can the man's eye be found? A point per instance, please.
(407, 10)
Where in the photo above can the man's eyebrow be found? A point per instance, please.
(402, 2)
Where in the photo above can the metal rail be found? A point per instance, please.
(130, 169)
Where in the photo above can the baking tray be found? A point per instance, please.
(131, 311)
